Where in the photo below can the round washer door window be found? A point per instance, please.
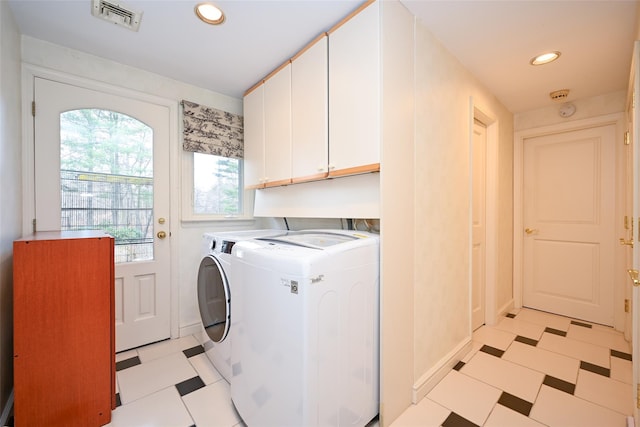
(213, 298)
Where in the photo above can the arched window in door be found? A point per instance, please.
(106, 173)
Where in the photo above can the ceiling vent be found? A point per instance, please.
(559, 95)
(116, 13)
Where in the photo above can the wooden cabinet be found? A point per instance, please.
(64, 333)
(267, 118)
(354, 93)
(309, 112)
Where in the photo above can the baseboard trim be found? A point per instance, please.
(6, 412)
(506, 308)
(434, 375)
(193, 329)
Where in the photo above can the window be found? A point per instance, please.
(217, 185)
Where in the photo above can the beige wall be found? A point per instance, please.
(10, 182)
(433, 176)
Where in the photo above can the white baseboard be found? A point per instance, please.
(506, 308)
(6, 412)
(193, 329)
(434, 375)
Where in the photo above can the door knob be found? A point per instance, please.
(626, 242)
(634, 276)
(530, 230)
(161, 234)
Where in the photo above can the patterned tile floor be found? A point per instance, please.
(533, 369)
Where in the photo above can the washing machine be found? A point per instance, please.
(305, 329)
(214, 290)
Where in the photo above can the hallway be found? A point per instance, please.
(533, 369)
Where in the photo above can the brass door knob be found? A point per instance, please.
(530, 230)
(161, 234)
(633, 274)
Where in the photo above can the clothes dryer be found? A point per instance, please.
(214, 290)
(305, 329)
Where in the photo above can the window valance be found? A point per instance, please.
(211, 131)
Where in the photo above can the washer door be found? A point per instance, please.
(213, 298)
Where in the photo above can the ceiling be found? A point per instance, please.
(494, 39)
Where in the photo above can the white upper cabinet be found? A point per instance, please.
(254, 138)
(309, 108)
(354, 94)
(277, 127)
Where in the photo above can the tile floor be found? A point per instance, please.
(531, 369)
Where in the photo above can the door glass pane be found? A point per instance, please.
(106, 173)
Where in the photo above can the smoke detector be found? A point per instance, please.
(116, 13)
(559, 95)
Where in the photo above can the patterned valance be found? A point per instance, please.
(211, 131)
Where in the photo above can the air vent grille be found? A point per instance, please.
(559, 95)
(116, 13)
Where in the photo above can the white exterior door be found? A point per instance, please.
(478, 223)
(101, 162)
(569, 236)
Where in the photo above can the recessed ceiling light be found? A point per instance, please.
(209, 13)
(545, 58)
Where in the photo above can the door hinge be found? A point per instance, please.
(33, 108)
(638, 396)
(627, 138)
(626, 305)
(34, 224)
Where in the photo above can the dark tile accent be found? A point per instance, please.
(193, 351)
(606, 372)
(526, 340)
(559, 384)
(515, 403)
(584, 325)
(187, 386)
(620, 354)
(556, 332)
(118, 401)
(455, 420)
(511, 315)
(459, 365)
(127, 363)
(492, 350)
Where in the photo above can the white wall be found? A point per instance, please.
(436, 171)
(11, 184)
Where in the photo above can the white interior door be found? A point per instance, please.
(479, 225)
(569, 236)
(101, 162)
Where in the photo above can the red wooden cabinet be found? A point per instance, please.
(64, 332)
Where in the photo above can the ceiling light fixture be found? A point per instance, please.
(545, 58)
(209, 13)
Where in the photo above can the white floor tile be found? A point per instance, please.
(146, 378)
(599, 337)
(207, 372)
(502, 417)
(621, 370)
(544, 319)
(557, 408)
(494, 337)
(554, 364)
(211, 406)
(577, 349)
(167, 347)
(161, 409)
(604, 391)
(426, 413)
(505, 375)
(475, 347)
(466, 396)
(124, 355)
(521, 327)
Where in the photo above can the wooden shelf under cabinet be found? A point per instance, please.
(64, 332)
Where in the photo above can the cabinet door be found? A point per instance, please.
(354, 94)
(309, 111)
(277, 128)
(254, 138)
